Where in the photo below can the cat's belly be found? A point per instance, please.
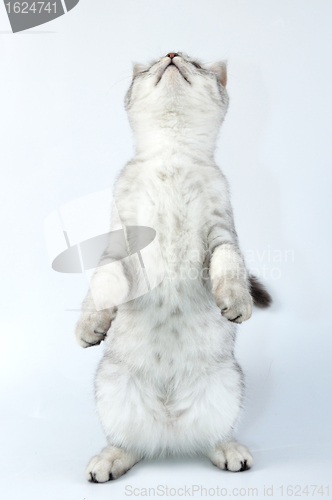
(167, 329)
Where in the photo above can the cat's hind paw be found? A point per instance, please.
(110, 464)
(232, 456)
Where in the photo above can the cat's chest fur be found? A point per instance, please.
(171, 195)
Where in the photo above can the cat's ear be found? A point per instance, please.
(139, 67)
(220, 68)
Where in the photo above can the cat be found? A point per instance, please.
(168, 382)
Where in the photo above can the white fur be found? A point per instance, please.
(111, 463)
(168, 382)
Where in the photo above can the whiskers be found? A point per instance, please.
(123, 78)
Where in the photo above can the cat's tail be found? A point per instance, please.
(260, 295)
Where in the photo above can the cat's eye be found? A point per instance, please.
(196, 65)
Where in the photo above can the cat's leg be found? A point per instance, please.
(131, 415)
(109, 287)
(111, 463)
(231, 455)
(92, 325)
(230, 283)
(113, 283)
(222, 394)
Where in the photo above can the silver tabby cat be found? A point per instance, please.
(168, 382)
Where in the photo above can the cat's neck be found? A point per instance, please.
(175, 140)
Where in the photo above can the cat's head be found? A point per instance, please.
(177, 93)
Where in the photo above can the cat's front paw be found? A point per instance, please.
(92, 327)
(234, 300)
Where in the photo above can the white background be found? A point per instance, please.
(64, 134)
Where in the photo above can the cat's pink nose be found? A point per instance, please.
(172, 54)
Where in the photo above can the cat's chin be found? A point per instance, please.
(173, 73)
